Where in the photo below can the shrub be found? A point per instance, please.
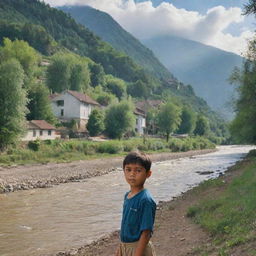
(112, 147)
(34, 145)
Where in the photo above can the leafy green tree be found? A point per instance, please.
(79, 77)
(39, 104)
(13, 102)
(202, 126)
(116, 86)
(168, 118)
(95, 123)
(188, 121)
(242, 128)
(20, 50)
(119, 119)
(97, 74)
(68, 71)
(58, 73)
(138, 89)
(151, 121)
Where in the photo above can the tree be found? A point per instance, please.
(188, 121)
(116, 86)
(242, 127)
(39, 104)
(26, 55)
(168, 118)
(97, 74)
(202, 126)
(21, 51)
(138, 89)
(68, 71)
(13, 102)
(119, 119)
(95, 123)
(79, 76)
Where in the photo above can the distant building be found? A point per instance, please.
(40, 129)
(72, 105)
(140, 121)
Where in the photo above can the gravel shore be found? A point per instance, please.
(26, 177)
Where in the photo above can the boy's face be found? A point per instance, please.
(135, 174)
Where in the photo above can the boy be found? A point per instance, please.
(138, 209)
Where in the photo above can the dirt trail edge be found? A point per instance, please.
(26, 177)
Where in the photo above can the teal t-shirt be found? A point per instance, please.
(138, 215)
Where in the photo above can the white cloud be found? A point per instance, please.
(144, 21)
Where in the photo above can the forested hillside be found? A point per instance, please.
(103, 25)
(53, 53)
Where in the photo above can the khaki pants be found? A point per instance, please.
(128, 249)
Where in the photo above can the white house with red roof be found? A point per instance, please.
(40, 129)
(74, 105)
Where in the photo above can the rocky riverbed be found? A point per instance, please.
(26, 177)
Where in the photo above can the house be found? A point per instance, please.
(144, 107)
(40, 129)
(140, 120)
(72, 105)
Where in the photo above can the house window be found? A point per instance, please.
(60, 103)
(49, 132)
(62, 112)
(137, 120)
(34, 133)
(41, 133)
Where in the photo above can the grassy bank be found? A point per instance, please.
(230, 216)
(72, 150)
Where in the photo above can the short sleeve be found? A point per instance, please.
(148, 216)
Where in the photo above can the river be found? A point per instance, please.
(46, 221)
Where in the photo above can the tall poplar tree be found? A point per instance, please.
(13, 102)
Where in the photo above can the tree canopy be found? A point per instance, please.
(13, 102)
(168, 118)
(119, 119)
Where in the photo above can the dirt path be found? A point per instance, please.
(175, 234)
(45, 175)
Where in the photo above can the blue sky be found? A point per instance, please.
(218, 23)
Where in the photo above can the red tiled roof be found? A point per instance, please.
(83, 98)
(54, 95)
(41, 124)
(145, 105)
(139, 111)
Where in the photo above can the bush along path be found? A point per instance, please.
(217, 218)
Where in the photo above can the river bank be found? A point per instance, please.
(175, 233)
(26, 177)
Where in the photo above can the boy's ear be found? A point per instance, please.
(149, 172)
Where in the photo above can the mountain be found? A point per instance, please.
(50, 30)
(103, 25)
(40, 25)
(206, 68)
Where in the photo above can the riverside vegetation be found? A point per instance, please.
(229, 217)
(71, 150)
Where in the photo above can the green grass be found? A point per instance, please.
(75, 149)
(230, 218)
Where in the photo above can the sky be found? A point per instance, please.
(217, 23)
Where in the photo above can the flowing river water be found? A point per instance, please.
(46, 221)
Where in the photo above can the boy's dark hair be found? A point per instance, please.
(137, 157)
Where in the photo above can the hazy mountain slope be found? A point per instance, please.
(103, 25)
(206, 68)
